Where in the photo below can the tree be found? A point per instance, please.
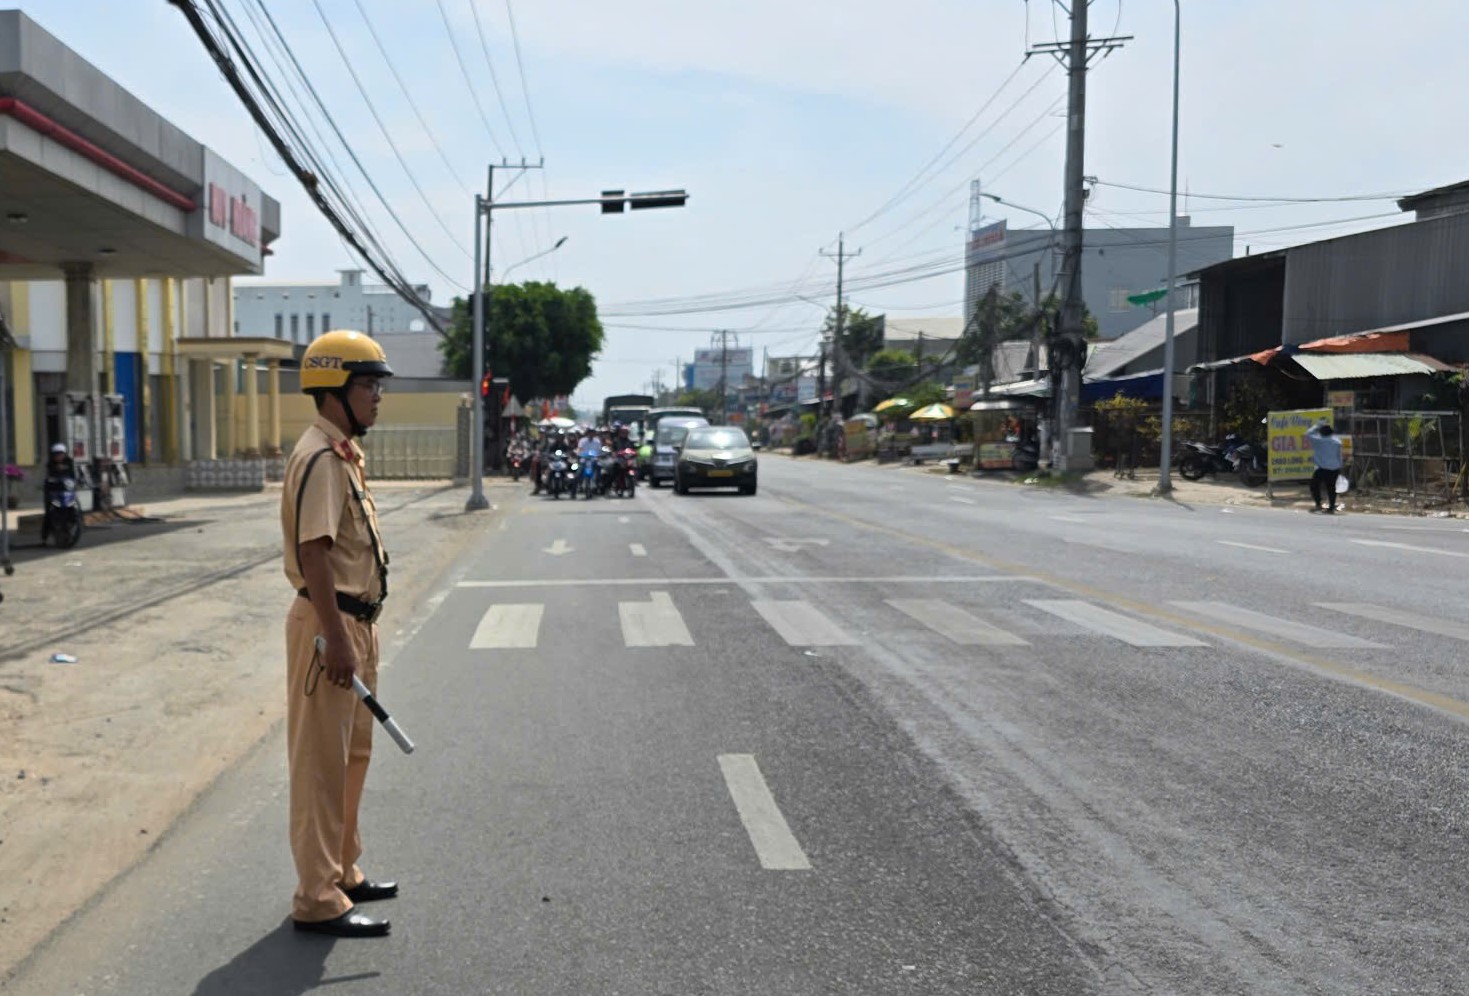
(541, 337)
(706, 401)
(862, 334)
(892, 369)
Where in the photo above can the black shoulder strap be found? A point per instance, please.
(301, 495)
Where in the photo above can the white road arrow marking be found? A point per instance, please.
(792, 545)
(557, 548)
(638, 550)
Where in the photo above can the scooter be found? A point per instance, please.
(516, 461)
(63, 515)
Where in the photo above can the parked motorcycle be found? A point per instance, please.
(63, 515)
(1250, 462)
(1199, 459)
(1234, 456)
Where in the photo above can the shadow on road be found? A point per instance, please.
(283, 963)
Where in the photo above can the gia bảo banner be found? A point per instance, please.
(1286, 443)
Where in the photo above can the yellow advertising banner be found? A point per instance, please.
(1289, 449)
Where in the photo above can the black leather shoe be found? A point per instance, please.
(349, 924)
(369, 892)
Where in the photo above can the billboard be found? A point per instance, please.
(736, 363)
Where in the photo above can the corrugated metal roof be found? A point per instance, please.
(1109, 357)
(1354, 366)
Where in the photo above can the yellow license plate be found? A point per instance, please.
(721, 473)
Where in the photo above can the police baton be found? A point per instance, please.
(375, 707)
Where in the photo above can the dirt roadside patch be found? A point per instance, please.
(178, 636)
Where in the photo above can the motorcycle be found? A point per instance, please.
(623, 476)
(559, 475)
(1235, 456)
(1250, 464)
(587, 478)
(1200, 459)
(63, 516)
(517, 461)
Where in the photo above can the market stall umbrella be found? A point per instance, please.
(883, 406)
(556, 423)
(932, 413)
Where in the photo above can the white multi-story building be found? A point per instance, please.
(298, 311)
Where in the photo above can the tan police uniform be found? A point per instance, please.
(328, 730)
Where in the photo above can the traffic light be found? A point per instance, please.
(612, 201)
(658, 199)
(484, 385)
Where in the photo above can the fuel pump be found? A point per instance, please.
(75, 430)
(112, 462)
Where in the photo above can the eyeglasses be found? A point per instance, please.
(373, 387)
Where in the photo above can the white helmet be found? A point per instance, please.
(58, 448)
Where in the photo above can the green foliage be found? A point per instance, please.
(1249, 400)
(926, 393)
(541, 337)
(861, 333)
(892, 369)
(808, 426)
(707, 401)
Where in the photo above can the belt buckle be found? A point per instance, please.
(377, 610)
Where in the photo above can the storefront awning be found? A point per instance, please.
(1357, 366)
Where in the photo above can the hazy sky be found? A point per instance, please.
(789, 122)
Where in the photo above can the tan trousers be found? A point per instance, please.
(328, 745)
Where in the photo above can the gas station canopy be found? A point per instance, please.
(89, 175)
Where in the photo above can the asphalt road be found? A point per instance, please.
(873, 731)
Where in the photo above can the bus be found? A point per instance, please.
(629, 409)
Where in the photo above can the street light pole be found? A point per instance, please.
(482, 220)
(1165, 457)
(504, 277)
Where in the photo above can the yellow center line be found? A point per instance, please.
(1456, 708)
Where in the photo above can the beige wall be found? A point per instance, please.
(298, 411)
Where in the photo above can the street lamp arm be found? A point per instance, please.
(1021, 207)
(531, 259)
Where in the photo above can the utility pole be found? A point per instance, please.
(841, 256)
(723, 337)
(611, 202)
(1068, 343)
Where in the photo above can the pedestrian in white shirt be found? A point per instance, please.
(1326, 451)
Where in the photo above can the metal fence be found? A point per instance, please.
(1417, 453)
(411, 452)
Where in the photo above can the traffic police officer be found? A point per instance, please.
(334, 559)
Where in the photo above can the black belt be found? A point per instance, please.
(355, 607)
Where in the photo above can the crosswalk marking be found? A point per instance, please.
(775, 845)
(655, 623)
(954, 623)
(1311, 636)
(1396, 617)
(508, 627)
(638, 550)
(1130, 631)
(801, 625)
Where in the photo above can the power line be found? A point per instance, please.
(331, 121)
(535, 132)
(484, 46)
(464, 71)
(411, 103)
(1247, 197)
(893, 200)
(388, 137)
(308, 180)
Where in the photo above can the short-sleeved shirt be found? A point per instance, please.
(329, 507)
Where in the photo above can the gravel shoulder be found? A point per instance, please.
(176, 627)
